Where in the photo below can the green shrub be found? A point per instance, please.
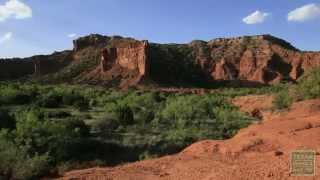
(309, 85)
(125, 115)
(70, 98)
(13, 95)
(228, 122)
(188, 108)
(120, 126)
(283, 100)
(7, 121)
(16, 162)
(81, 104)
(50, 100)
(57, 114)
(31, 167)
(58, 138)
(143, 105)
(78, 127)
(105, 125)
(75, 99)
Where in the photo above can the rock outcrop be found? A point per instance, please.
(48, 64)
(263, 59)
(118, 61)
(132, 56)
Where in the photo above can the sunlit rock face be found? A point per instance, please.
(133, 56)
(117, 61)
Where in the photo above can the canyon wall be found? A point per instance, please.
(132, 56)
(263, 59)
(35, 66)
(118, 61)
(47, 64)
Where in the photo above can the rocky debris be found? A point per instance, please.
(256, 113)
(278, 153)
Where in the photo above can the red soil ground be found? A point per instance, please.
(254, 153)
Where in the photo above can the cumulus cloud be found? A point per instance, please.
(72, 35)
(14, 9)
(305, 13)
(256, 17)
(6, 37)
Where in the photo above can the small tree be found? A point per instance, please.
(6, 120)
(125, 115)
(50, 100)
(283, 100)
(309, 85)
(81, 104)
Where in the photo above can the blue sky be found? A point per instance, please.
(29, 27)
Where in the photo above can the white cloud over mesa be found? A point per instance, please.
(256, 17)
(72, 35)
(14, 9)
(6, 37)
(305, 13)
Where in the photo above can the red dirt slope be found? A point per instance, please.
(261, 151)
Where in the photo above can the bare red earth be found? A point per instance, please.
(261, 151)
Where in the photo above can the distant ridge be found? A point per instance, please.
(123, 62)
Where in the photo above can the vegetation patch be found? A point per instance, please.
(54, 128)
(308, 87)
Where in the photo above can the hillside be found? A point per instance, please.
(124, 62)
(261, 151)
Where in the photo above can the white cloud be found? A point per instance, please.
(304, 13)
(256, 17)
(6, 37)
(14, 9)
(72, 35)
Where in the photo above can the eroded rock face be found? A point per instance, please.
(132, 56)
(35, 66)
(118, 61)
(43, 65)
(263, 59)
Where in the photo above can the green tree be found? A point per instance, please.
(309, 85)
(7, 121)
(125, 115)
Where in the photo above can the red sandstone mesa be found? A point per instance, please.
(124, 62)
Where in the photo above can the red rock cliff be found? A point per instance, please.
(132, 56)
(263, 59)
(118, 61)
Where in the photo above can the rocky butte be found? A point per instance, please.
(123, 62)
